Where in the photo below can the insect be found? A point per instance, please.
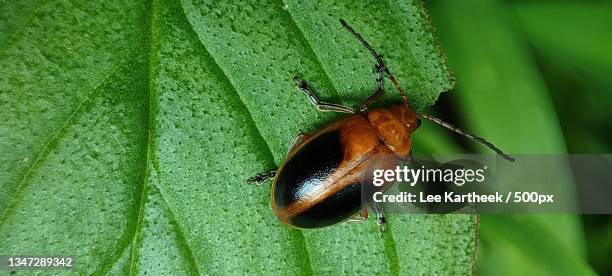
(322, 178)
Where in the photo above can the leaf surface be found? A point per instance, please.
(131, 130)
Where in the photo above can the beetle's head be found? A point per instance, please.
(395, 126)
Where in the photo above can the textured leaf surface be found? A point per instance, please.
(129, 131)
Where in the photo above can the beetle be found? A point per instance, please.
(323, 176)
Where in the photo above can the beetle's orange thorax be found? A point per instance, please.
(395, 125)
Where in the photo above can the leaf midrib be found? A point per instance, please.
(151, 163)
(151, 149)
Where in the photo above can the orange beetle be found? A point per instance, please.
(323, 178)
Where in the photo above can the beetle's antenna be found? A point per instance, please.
(378, 59)
(467, 134)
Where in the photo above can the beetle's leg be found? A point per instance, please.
(359, 217)
(260, 178)
(297, 140)
(380, 217)
(321, 106)
(379, 89)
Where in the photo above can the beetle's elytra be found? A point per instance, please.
(321, 181)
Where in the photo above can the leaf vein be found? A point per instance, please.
(251, 121)
(179, 235)
(51, 144)
(312, 52)
(141, 208)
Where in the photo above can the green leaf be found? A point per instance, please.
(503, 97)
(130, 130)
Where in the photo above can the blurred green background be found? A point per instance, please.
(549, 64)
